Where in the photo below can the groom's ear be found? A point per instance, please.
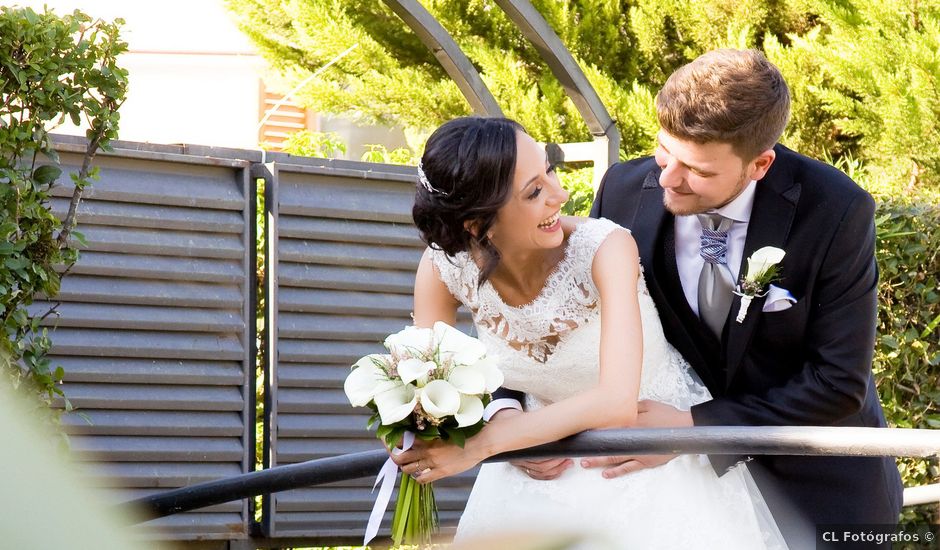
(761, 164)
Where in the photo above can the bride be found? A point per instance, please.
(562, 304)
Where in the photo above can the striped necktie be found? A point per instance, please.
(715, 285)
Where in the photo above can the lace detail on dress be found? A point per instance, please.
(568, 300)
(549, 348)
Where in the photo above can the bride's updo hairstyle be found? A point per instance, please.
(465, 175)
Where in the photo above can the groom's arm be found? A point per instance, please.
(839, 342)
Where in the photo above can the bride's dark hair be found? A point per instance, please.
(467, 168)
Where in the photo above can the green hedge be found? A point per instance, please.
(907, 352)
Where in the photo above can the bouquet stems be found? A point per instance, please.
(415, 519)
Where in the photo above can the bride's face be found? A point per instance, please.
(530, 219)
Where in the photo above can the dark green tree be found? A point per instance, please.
(626, 48)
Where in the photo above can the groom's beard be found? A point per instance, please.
(697, 205)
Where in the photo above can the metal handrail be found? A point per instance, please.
(786, 440)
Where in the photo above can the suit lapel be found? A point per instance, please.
(649, 226)
(648, 218)
(775, 203)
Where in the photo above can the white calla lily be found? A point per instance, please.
(411, 370)
(491, 373)
(470, 412)
(463, 349)
(410, 340)
(397, 403)
(439, 399)
(366, 380)
(468, 380)
(761, 260)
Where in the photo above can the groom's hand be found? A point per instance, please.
(549, 468)
(650, 414)
(616, 466)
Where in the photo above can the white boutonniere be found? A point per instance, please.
(762, 270)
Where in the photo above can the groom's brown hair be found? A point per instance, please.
(728, 96)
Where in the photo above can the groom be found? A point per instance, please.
(719, 188)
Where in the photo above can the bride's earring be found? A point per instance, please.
(472, 227)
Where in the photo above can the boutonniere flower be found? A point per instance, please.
(762, 269)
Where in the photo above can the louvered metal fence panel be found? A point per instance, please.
(155, 330)
(345, 255)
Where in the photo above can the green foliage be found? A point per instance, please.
(380, 153)
(907, 351)
(581, 192)
(863, 74)
(51, 68)
(626, 48)
(866, 81)
(314, 144)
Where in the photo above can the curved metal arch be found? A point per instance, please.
(448, 53)
(562, 64)
(605, 149)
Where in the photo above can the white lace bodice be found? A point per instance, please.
(549, 348)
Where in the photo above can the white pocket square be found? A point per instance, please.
(778, 299)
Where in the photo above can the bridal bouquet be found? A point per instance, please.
(432, 384)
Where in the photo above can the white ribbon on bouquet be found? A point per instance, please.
(386, 477)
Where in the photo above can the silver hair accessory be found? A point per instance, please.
(423, 178)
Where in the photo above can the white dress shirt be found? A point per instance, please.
(688, 238)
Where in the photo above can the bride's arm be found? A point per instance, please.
(610, 403)
(433, 301)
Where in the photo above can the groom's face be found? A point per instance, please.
(698, 177)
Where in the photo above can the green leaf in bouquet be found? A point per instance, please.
(470, 431)
(391, 435)
(428, 433)
(383, 431)
(374, 420)
(456, 436)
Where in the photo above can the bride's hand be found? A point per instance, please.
(432, 460)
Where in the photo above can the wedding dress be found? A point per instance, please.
(549, 349)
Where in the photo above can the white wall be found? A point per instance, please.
(194, 77)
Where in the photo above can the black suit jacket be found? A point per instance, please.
(807, 365)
